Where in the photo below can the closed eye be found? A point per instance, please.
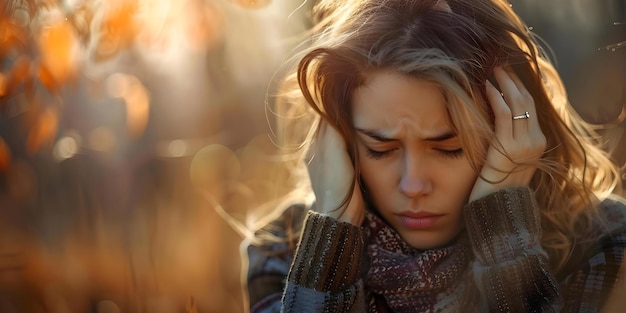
(377, 155)
(453, 154)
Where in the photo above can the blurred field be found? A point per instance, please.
(128, 130)
(134, 140)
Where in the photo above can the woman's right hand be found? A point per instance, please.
(331, 174)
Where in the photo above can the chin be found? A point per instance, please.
(425, 243)
(426, 246)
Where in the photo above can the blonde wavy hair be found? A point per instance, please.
(455, 44)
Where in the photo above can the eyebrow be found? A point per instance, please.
(374, 135)
(380, 137)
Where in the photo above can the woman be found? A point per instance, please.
(448, 170)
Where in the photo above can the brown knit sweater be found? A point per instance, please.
(509, 271)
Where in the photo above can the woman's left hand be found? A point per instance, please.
(512, 158)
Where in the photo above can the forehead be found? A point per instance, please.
(388, 99)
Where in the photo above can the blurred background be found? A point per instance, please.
(134, 139)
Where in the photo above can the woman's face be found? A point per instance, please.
(411, 162)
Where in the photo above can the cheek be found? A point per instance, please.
(462, 179)
(377, 175)
(368, 170)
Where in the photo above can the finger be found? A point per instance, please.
(509, 89)
(515, 99)
(528, 104)
(501, 111)
(526, 99)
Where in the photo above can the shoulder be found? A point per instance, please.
(282, 231)
(606, 240)
(269, 255)
(272, 248)
(613, 212)
(611, 227)
(591, 279)
(290, 220)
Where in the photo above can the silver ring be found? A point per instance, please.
(523, 116)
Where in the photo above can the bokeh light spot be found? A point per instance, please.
(212, 168)
(137, 99)
(65, 148)
(137, 108)
(102, 139)
(21, 18)
(253, 3)
(177, 148)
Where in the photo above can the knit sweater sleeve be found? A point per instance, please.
(511, 269)
(324, 274)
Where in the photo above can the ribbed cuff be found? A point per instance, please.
(329, 254)
(503, 225)
(520, 285)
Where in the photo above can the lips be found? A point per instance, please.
(418, 220)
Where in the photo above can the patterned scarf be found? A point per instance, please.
(411, 280)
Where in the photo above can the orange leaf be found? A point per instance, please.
(20, 71)
(46, 78)
(4, 82)
(20, 74)
(5, 156)
(44, 130)
(118, 30)
(11, 36)
(58, 45)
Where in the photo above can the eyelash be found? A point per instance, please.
(451, 154)
(377, 155)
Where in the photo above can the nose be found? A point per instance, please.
(415, 180)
